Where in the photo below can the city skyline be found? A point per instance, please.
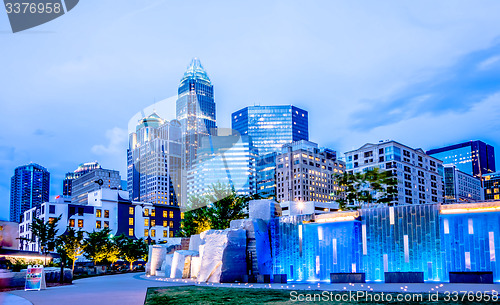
(76, 104)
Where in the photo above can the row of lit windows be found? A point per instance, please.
(98, 213)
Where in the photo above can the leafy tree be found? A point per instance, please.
(130, 249)
(215, 210)
(100, 247)
(71, 245)
(371, 186)
(43, 233)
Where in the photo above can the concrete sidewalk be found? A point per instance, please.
(122, 289)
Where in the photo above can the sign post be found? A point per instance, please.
(35, 278)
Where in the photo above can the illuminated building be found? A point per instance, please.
(305, 173)
(29, 187)
(93, 180)
(154, 164)
(269, 128)
(81, 170)
(460, 187)
(420, 177)
(195, 109)
(106, 209)
(223, 158)
(492, 186)
(475, 158)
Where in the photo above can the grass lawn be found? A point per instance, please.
(194, 295)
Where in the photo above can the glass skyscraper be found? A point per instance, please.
(269, 128)
(475, 158)
(29, 187)
(195, 108)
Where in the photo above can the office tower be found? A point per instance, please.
(420, 177)
(224, 158)
(195, 108)
(271, 127)
(81, 170)
(305, 173)
(461, 187)
(92, 181)
(29, 188)
(154, 161)
(475, 158)
(492, 186)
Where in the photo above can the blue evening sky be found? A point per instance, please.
(425, 73)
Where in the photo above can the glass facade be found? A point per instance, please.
(223, 159)
(270, 127)
(29, 188)
(432, 239)
(82, 169)
(266, 175)
(475, 158)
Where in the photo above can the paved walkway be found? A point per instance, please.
(131, 289)
(122, 289)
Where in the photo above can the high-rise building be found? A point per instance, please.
(224, 158)
(195, 108)
(271, 127)
(306, 173)
(29, 187)
(492, 186)
(460, 187)
(94, 180)
(80, 171)
(475, 158)
(154, 161)
(420, 177)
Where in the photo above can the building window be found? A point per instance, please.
(171, 214)
(153, 222)
(80, 223)
(171, 224)
(182, 215)
(153, 212)
(165, 223)
(106, 213)
(52, 209)
(98, 213)
(130, 232)
(146, 212)
(131, 221)
(80, 211)
(106, 224)
(146, 232)
(98, 224)
(146, 222)
(131, 210)
(72, 223)
(165, 214)
(51, 219)
(165, 233)
(153, 233)
(171, 234)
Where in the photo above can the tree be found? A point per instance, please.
(70, 245)
(214, 211)
(130, 249)
(43, 233)
(100, 247)
(364, 188)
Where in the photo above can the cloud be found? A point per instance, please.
(117, 143)
(43, 132)
(454, 89)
